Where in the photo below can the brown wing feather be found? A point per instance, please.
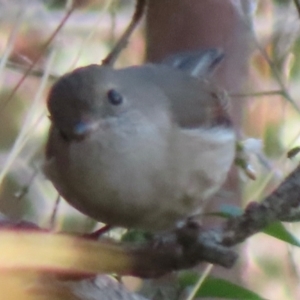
(194, 102)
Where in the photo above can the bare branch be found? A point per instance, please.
(121, 44)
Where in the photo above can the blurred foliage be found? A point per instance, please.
(60, 254)
(10, 131)
(282, 2)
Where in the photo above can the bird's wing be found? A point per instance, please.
(200, 64)
(194, 102)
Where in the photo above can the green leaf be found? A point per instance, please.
(278, 231)
(221, 288)
(137, 236)
(218, 288)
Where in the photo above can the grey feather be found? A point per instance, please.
(199, 64)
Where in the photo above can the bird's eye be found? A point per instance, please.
(114, 97)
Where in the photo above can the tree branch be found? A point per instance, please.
(122, 42)
(188, 246)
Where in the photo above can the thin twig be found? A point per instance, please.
(276, 75)
(11, 40)
(48, 42)
(54, 212)
(198, 285)
(297, 4)
(33, 72)
(258, 94)
(121, 44)
(24, 190)
(91, 34)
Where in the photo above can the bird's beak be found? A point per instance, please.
(84, 128)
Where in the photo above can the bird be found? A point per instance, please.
(142, 147)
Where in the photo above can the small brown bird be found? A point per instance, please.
(140, 147)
